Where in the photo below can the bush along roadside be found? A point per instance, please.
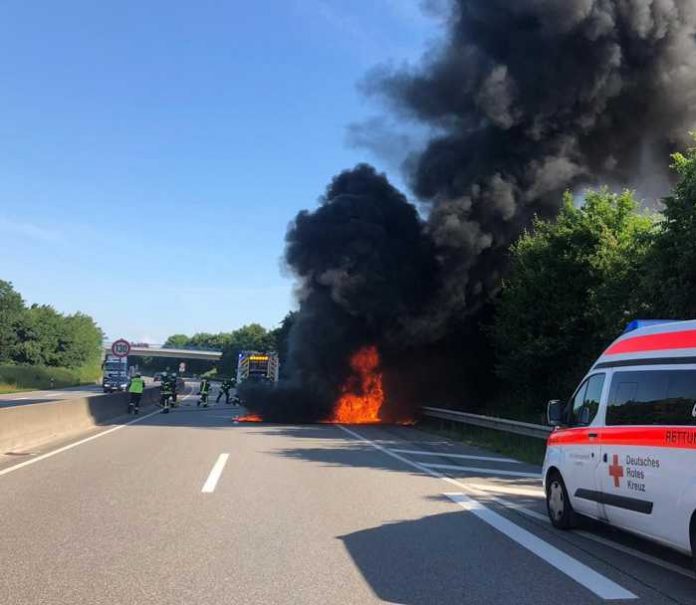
(15, 378)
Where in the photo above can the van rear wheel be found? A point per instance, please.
(558, 504)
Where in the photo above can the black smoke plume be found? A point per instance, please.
(532, 97)
(366, 268)
(524, 99)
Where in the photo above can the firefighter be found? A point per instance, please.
(175, 392)
(136, 386)
(165, 395)
(205, 389)
(225, 387)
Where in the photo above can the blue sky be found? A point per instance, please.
(154, 152)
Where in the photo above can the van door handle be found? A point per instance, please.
(605, 458)
(593, 435)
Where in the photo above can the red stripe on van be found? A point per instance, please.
(680, 437)
(572, 436)
(686, 339)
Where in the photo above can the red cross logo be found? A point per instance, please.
(616, 471)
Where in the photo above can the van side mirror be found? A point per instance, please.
(554, 412)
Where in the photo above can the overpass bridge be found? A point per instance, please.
(151, 350)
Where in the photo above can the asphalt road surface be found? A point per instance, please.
(29, 397)
(191, 508)
(51, 395)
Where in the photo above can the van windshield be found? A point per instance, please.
(652, 397)
(585, 403)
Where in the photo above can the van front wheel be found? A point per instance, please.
(558, 504)
(692, 532)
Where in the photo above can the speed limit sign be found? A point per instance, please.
(121, 348)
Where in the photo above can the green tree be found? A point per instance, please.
(11, 310)
(568, 293)
(177, 341)
(27, 348)
(41, 335)
(205, 340)
(81, 341)
(252, 337)
(669, 287)
(46, 337)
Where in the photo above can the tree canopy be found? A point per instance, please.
(568, 293)
(40, 335)
(669, 286)
(11, 308)
(252, 337)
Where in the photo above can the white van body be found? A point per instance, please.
(627, 449)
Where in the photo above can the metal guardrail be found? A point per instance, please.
(528, 429)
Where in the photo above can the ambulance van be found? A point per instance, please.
(624, 447)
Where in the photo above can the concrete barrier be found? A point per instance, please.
(26, 426)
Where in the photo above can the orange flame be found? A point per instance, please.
(363, 393)
(248, 418)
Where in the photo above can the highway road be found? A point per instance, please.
(191, 508)
(29, 397)
(50, 395)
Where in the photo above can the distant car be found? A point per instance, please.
(112, 384)
(157, 377)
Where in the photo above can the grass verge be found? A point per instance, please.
(526, 449)
(8, 388)
(16, 378)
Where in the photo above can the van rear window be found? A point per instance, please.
(652, 397)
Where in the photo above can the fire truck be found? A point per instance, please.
(257, 366)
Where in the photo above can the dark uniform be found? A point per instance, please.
(172, 379)
(165, 395)
(205, 389)
(225, 388)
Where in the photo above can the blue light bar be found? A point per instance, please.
(644, 323)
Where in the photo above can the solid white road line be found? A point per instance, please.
(477, 469)
(599, 540)
(513, 490)
(602, 586)
(582, 574)
(65, 448)
(480, 490)
(462, 456)
(214, 477)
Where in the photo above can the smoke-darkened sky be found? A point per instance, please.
(523, 100)
(532, 97)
